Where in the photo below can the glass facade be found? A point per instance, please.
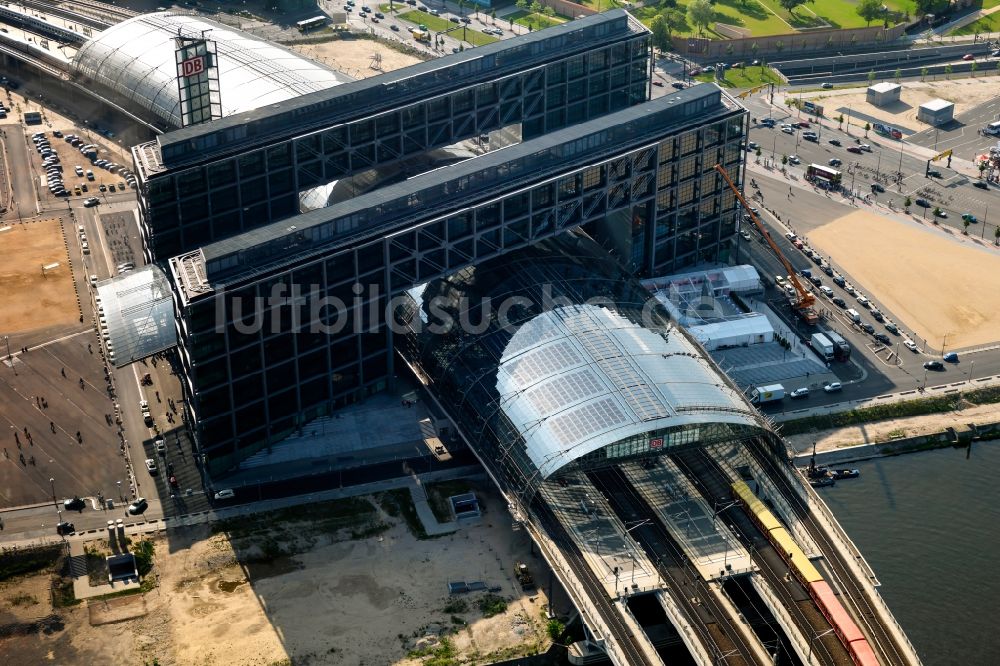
(253, 378)
(515, 381)
(183, 209)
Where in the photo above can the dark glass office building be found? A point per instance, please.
(281, 313)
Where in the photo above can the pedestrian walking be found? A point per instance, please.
(52, 427)
(63, 371)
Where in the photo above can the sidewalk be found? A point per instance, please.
(212, 515)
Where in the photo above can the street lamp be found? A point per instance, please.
(52, 483)
(119, 491)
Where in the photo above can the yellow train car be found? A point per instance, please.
(777, 534)
(792, 554)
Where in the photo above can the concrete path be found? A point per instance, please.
(424, 512)
(82, 588)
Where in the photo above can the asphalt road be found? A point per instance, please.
(954, 193)
(962, 136)
(807, 210)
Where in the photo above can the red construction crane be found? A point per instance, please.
(805, 300)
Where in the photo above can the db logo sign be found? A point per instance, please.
(193, 66)
(656, 443)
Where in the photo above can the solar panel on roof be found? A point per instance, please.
(555, 394)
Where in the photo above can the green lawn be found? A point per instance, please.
(743, 77)
(438, 24)
(766, 17)
(989, 23)
(533, 20)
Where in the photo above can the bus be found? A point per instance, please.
(312, 24)
(823, 175)
(32, 118)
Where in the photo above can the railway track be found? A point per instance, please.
(709, 619)
(715, 487)
(97, 15)
(863, 609)
(621, 632)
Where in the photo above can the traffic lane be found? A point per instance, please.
(19, 171)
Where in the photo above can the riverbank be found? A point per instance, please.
(891, 437)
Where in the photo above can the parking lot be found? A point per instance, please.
(78, 168)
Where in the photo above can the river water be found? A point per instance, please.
(929, 524)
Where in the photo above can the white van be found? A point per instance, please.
(854, 315)
(993, 129)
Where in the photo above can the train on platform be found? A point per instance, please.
(843, 624)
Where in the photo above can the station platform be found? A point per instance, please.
(703, 535)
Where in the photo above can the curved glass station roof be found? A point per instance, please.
(553, 359)
(135, 60)
(579, 377)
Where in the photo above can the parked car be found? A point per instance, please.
(911, 345)
(794, 159)
(868, 328)
(75, 504)
(889, 326)
(151, 466)
(883, 338)
(839, 302)
(826, 290)
(787, 130)
(679, 85)
(224, 494)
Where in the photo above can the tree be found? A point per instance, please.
(973, 68)
(701, 14)
(898, 74)
(982, 168)
(536, 6)
(996, 236)
(907, 203)
(789, 5)
(840, 119)
(871, 76)
(758, 154)
(923, 73)
(729, 49)
(522, 4)
(676, 21)
(784, 160)
(548, 11)
(661, 32)
(869, 10)
(493, 16)
(867, 127)
(966, 223)
(779, 45)
(947, 70)
(754, 48)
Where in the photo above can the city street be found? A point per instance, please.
(806, 210)
(953, 193)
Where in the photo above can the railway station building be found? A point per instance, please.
(284, 306)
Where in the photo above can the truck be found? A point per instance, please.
(822, 345)
(421, 35)
(770, 393)
(524, 576)
(841, 348)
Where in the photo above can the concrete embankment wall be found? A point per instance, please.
(902, 445)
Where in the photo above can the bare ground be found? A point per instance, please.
(934, 284)
(356, 57)
(30, 300)
(380, 600)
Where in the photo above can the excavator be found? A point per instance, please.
(804, 300)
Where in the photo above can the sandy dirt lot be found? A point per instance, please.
(31, 301)
(354, 56)
(931, 283)
(966, 94)
(223, 599)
